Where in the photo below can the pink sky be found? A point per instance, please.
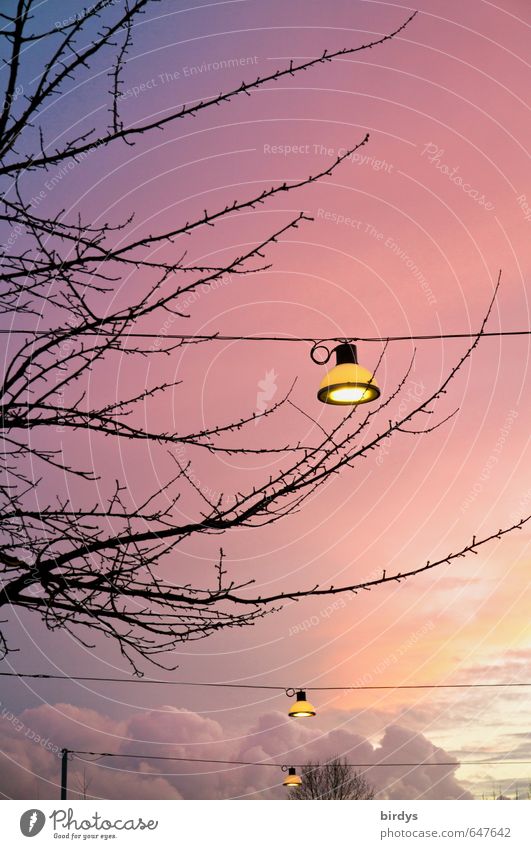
(449, 93)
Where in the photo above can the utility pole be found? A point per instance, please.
(64, 772)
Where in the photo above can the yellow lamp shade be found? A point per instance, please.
(347, 382)
(292, 779)
(301, 707)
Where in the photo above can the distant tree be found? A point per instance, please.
(82, 784)
(335, 779)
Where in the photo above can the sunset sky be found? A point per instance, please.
(397, 246)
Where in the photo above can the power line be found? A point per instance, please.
(141, 756)
(82, 755)
(217, 337)
(278, 687)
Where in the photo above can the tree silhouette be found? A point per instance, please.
(334, 779)
(84, 564)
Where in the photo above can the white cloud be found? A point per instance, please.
(31, 766)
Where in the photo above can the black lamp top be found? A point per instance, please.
(346, 353)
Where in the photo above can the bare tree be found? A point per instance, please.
(83, 564)
(82, 784)
(334, 779)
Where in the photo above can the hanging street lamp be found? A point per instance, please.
(347, 383)
(301, 707)
(292, 779)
